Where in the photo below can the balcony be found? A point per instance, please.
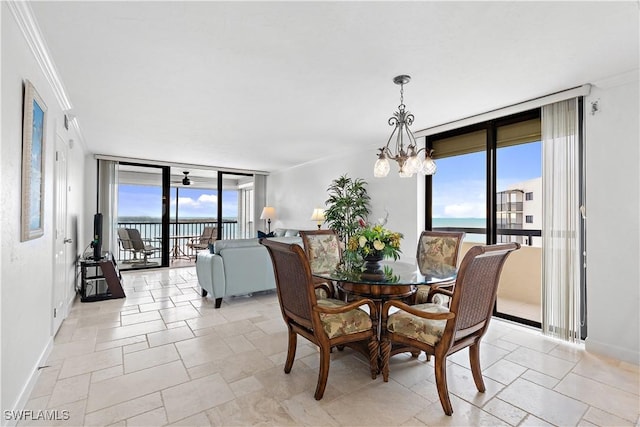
(519, 291)
(151, 232)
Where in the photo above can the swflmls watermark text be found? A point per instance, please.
(39, 415)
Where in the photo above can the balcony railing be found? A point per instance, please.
(152, 231)
(520, 281)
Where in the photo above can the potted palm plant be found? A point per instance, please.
(347, 203)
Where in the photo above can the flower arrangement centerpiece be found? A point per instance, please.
(372, 244)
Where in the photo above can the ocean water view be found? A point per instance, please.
(463, 223)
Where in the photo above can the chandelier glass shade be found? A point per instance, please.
(406, 152)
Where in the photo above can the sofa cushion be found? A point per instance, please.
(234, 243)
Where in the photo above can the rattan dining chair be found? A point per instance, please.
(441, 331)
(324, 322)
(437, 248)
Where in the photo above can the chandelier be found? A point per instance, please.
(406, 153)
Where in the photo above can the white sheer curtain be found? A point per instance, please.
(108, 204)
(561, 221)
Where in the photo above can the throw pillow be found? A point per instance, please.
(262, 234)
(211, 248)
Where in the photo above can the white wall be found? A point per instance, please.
(613, 232)
(295, 192)
(26, 268)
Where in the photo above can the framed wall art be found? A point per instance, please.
(33, 149)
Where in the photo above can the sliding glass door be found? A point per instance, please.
(488, 185)
(141, 216)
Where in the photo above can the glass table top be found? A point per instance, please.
(395, 273)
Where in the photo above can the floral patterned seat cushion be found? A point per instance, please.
(324, 252)
(352, 321)
(321, 293)
(425, 330)
(436, 250)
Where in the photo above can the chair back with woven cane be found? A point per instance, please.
(441, 331)
(325, 322)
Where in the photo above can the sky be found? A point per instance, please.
(459, 185)
(459, 188)
(141, 200)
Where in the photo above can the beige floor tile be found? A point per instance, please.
(120, 342)
(132, 348)
(364, 406)
(46, 382)
(96, 361)
(239, 344)
(140, 317)
(126, 387)
(155, 417)
(530, 339)
(69, 390)
(169, 336)
(197, 420)
(151, 357)
(70, 349)
(599, 395)
(206, 321)
(460, 381)
(533, 421)
(154, 306)
(546, 404)
(540, 362)
(179, 313)
(307, 411)
(124, 410)
(195, 396)
(105, 374)
(506, 412)
(201, 350)
(504, 371)
(464, 414)
(603, 371)
(540, 378)
(130, 330)
(245, 386)
(603, 418)
(251, 409)
(489, 354)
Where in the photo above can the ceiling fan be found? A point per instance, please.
(185, 180)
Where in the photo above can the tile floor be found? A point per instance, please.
(165, 356)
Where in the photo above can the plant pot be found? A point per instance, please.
(372, 264)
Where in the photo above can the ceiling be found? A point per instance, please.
(270, 85)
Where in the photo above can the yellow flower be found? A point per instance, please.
(378, 245)
(362, 241)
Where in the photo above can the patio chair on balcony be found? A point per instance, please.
(208, 236)
(127, 246)
(140, 247)
(435, 249)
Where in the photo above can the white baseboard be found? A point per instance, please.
(617, 352)
(23, 398)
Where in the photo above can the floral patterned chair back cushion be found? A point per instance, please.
(435, 249)
(323, 252)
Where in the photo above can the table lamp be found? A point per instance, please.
(318, 215)
(268, 213)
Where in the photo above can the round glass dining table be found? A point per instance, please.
(399, 280)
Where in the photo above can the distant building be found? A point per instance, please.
(519, 207)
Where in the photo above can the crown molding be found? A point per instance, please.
(31, 31)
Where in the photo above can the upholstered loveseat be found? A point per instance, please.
(237, 267)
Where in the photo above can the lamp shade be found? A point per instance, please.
(268, 212)
(318, 214)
